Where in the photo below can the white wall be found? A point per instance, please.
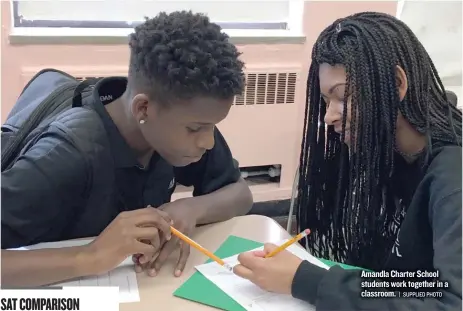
(438, 25)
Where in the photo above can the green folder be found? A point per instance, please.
(199, 289)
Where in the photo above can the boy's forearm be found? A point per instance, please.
(223, 204)
(30, 268)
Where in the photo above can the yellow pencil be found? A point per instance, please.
(192, 243)
(285, 245)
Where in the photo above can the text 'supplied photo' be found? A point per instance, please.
(231, 155)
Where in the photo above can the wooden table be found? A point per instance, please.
(156, 292)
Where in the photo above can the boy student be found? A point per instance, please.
(383, 191)
(108, 168)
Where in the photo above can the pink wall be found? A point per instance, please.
(253, 137)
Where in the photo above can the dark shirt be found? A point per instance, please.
(430, 238)
(75, 177)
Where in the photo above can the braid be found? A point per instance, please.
(345, 194)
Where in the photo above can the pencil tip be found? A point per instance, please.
(228, 267)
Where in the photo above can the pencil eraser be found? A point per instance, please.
(307, 231)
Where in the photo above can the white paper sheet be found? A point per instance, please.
(123, 276)
(250, 296)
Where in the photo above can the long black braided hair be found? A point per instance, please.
(345, 195)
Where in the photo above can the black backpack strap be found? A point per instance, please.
(58, 101)
(77, 98)
(45, 108)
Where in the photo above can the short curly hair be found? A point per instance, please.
(183, 55)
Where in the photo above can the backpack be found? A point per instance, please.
(46, 95)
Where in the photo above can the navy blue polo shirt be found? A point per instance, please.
(75, 177)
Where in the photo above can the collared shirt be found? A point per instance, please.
(79, 174)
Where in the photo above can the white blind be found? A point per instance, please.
(438, 25)
(136, 10)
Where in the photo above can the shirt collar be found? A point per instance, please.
(123, 155)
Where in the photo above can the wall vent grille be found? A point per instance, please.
(268, 88)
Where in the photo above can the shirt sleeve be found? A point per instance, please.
(339, 289)
(41, 190)
(215, 170)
